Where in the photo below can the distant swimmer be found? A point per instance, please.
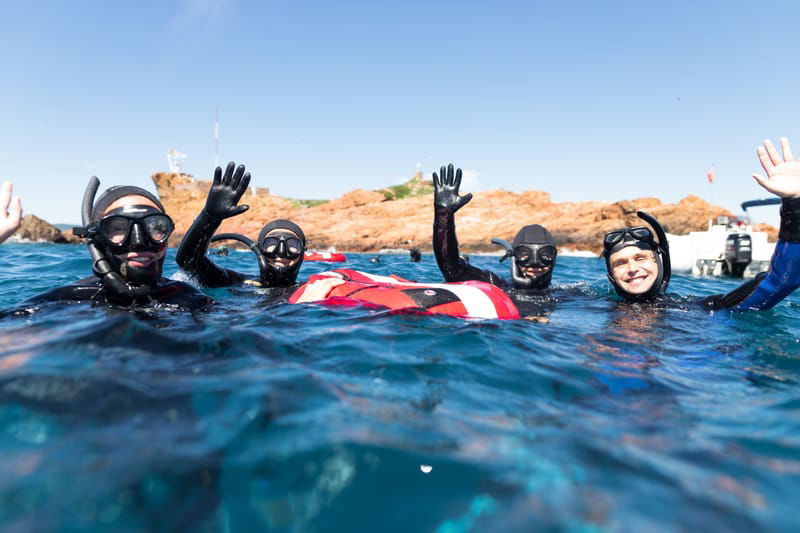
(127, 231)
(279, 249)
(415, 255)
(10, 212)
(533, 249)
(638, 264)
(375, 259)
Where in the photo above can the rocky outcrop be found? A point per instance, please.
(368, 221)
(35, 229)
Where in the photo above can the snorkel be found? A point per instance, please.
(256, 249)
(660, 249)
(101, 267)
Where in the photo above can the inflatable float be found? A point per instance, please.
(468, 299)
(330, 257)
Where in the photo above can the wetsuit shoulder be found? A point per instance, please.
(86, 289)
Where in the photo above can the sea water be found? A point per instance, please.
(601, 416)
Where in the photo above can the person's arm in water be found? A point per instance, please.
(783, 277)
(223, 197)
(446, 201)
(10, 212)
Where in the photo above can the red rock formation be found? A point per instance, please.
(366, 221)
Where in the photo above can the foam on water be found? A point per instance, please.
(304, 418)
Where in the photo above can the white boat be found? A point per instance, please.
(727, 248)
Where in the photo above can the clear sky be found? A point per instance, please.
(587, 100)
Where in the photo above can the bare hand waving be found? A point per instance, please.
(10, 212)
(783, 173)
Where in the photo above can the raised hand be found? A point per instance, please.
(226, 191)
(783, 173)
(10, 212)
(445, 189)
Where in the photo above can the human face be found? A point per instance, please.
(136, 257)
(279, 260)
(534, 260)
(635, 270)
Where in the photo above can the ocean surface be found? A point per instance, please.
(602, 416)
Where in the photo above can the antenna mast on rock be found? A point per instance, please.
(175, 159)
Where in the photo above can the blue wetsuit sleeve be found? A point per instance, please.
(768, 289)
(781, 280)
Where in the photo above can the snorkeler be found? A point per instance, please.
(533, 249)
(279, 249)
(638, 265)
(126, 231)
(10, 212)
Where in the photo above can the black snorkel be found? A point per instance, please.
(516, 276)
(254, 246)
(101, 267)
(663, 246)
(506, 246)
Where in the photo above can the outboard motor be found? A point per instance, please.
(738, 254)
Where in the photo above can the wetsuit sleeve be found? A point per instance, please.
(192, 258)
(783, 277)
(445, 247)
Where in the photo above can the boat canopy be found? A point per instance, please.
(757, 203)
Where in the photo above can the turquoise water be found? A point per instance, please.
(252, 417)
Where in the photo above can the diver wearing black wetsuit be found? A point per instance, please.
(127, 232)
(279, 249)
(627, 268)
(533, 249)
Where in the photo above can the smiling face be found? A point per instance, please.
(635, 270)
(534, 272)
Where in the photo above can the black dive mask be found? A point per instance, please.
(535, 255)
(642, 238)
(286, 246)
(283, 245)
(133, 228)
(273, 244)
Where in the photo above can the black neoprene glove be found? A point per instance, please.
(445, 190)
(226, 191)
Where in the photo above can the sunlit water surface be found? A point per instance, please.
(609, 417)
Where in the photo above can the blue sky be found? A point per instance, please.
(586, 100)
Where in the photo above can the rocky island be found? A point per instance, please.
(402, 216)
